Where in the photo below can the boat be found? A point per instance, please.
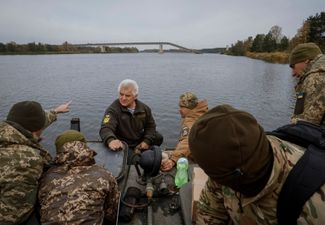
(148, 196)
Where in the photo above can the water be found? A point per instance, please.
(90, 80)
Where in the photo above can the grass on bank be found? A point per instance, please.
(273, 57)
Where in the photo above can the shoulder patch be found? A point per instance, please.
(185, 131)
(106, 119)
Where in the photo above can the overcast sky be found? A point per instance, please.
(190, 23)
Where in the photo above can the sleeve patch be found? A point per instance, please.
(106, 119)
(185, 132)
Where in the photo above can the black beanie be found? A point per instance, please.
(232, 149)
(28, 114)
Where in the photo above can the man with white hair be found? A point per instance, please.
(130, 120)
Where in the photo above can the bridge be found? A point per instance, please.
(160, 44)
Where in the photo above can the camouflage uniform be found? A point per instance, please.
(311, 93)
(76, 191)
(21, 164)
(220, 204)
(182, 149)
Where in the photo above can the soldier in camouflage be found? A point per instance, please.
(22, 158)
(246, 170)
(76, 191)
(308, 64)
(190, 109)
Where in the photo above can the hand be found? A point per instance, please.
(115, 145)
(63, 108)
(142, 146)
(167, 165)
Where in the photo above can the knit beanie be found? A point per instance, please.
(232, 149)
(68, 136)
(303, 52)
(188, 100)
(28, 114)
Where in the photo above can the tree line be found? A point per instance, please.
(312, 30)
(65, 48)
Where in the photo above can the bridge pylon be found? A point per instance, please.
(161, 50)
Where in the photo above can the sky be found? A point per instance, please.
(193, 24)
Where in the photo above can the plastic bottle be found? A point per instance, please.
(181, 177)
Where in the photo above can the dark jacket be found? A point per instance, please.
(119, 123)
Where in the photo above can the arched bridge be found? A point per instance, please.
(103, 45)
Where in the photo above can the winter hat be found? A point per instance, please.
(188, 100)
(303, 52)
(67, 136)
(28, 114)
(232, 149)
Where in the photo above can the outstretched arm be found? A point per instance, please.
(63, 108)
(51, 115)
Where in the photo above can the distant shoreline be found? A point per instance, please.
(272, 57)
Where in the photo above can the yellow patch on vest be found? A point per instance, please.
(106, 119)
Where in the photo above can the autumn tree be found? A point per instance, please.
(284, 44)
(3, 47)
(257, 45)
(237, 49)
(317, 29)
(276, 33)
(269, 43)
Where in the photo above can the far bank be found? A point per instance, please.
(273, 57)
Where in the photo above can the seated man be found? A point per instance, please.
(246, 170)
(75, 190)
(130, 120)
(190, 109)
(22, 158)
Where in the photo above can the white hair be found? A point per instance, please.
(129, 83)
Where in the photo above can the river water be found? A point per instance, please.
(90, 80)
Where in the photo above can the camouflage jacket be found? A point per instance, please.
(76, 191)
(221, 205)
(21, 164)
(311, 93)
(182, 149)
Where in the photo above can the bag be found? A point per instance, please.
(308, 175)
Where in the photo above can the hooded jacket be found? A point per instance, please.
(76, 191)
(22, 160)
(312, 86)
(182, 148)
(220, 204)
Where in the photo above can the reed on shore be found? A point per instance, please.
(273, 57)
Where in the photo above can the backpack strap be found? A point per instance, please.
(302, 133)
(307, 176)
